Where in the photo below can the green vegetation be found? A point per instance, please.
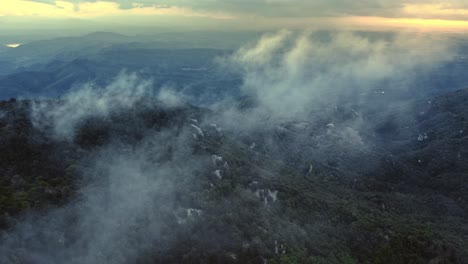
(320, 219)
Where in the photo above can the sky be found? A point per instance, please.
(423, 15)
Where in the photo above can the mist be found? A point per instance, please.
(290, 74)
(126, 188)
(157, 178)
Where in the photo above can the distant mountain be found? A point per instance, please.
(166, 59)
(190, 70)
(181, 60)
(47, 83)
(3, 48)
(6, 67)
(70, 48)
(66, 48)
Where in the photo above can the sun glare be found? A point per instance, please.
(13, 45)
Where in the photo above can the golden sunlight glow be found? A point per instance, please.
(65, 9)
(410, 23)
(424, 17)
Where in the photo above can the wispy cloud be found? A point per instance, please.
(260, 14)
(290, 74)
(88, 9)
(90, 101)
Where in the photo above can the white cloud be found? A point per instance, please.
(91, 101)
(291, 74)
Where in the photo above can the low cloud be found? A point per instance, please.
(159, 193)
(125, 207)
(291, 74)
(91, 101)
(122, 212)
(319, 97)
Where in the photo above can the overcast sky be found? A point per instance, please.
(17, 15)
